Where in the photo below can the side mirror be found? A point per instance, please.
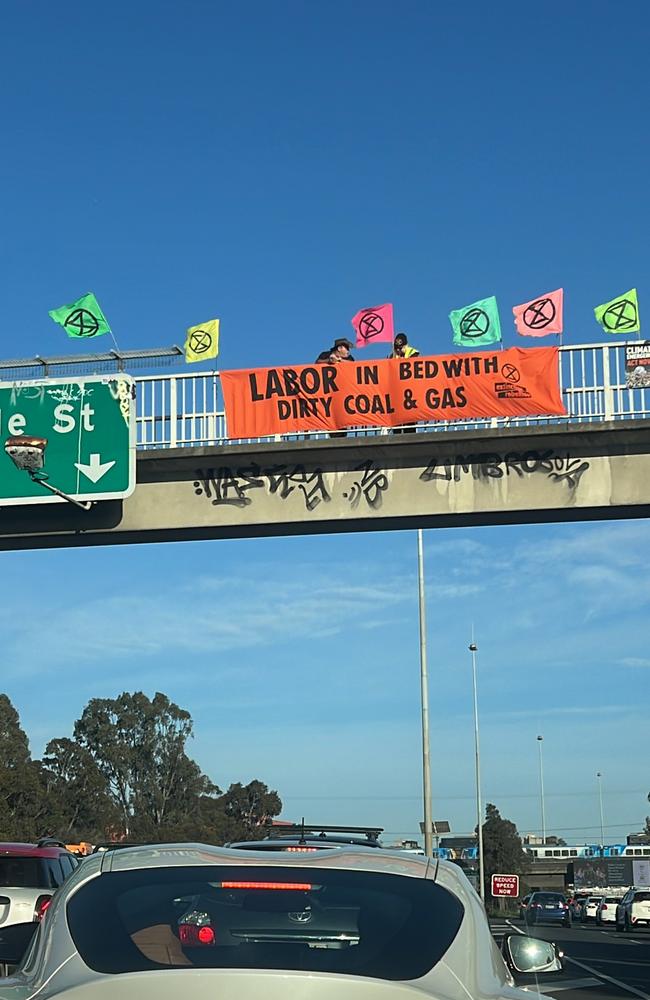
(15, 940)
(528, 954)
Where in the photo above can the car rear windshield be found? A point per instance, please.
(318, 920)
(22, 873)
(641, 897)
(548, 897)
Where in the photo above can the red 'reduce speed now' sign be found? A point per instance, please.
(505, 885)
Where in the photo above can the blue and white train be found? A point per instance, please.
(588, 851)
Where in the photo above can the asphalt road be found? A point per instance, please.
(599, 962)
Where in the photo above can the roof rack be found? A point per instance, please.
(49, 842)
(321, 829)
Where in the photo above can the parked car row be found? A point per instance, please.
(625, 912)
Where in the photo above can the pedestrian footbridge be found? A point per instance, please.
(194, 482)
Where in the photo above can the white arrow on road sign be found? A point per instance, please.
(95, 468)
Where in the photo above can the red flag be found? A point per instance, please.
(540, 316)
(374, 325)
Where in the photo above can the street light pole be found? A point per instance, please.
(424, 695)
(540, 740)
(473, 648)
(600, 801)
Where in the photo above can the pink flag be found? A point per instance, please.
(374, 325)
(540, 316)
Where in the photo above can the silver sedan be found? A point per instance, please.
(162, 922)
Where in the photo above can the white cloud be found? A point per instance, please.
(203, 616)
(633, 661)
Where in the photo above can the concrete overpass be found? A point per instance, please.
(193, 483)
(428, 479)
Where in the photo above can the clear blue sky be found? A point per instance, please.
(281, 166)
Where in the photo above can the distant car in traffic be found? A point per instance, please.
(576, 902)
(590, 908)
(633, 909)
(29, 876)
(156, 923)
(606, 911)
(547, 907)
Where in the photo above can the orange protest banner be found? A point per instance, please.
(521, 381)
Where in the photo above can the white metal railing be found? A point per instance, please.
(177, 411)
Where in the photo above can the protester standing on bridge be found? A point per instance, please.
(332, 357)
(402, 348)
(342, 348)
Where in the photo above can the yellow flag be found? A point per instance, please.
(202, 342)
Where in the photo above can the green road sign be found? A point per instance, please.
(77, 435)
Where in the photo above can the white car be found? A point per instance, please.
(633, 909)
(156, 923)
(590, 908)
(606, 912)
(29, 876)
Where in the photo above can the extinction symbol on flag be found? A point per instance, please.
(475, 323)
(82, 322)
(202, 342)
(370, 325)
(374, 324)
(621, 315)
(540, 316)
(82, 318)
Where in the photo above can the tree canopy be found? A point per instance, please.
(125, 774)
(502, 848)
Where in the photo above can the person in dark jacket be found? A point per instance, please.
(342, 348)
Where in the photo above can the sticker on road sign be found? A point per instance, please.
(76, 436)
(505, 885)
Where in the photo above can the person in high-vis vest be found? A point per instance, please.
(402, 348)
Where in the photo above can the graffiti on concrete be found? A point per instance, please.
(371, 485)
(366, 485)
(228, 486)
(310, 484)
(560, 468)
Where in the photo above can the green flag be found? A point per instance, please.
(476, 324)
(82, 318)
(621, 315)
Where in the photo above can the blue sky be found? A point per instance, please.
(281, 166)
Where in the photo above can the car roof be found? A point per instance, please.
(32, 851)
(179, 855)
(117, 845)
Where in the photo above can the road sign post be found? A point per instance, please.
(505, 885)
(75, 435)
